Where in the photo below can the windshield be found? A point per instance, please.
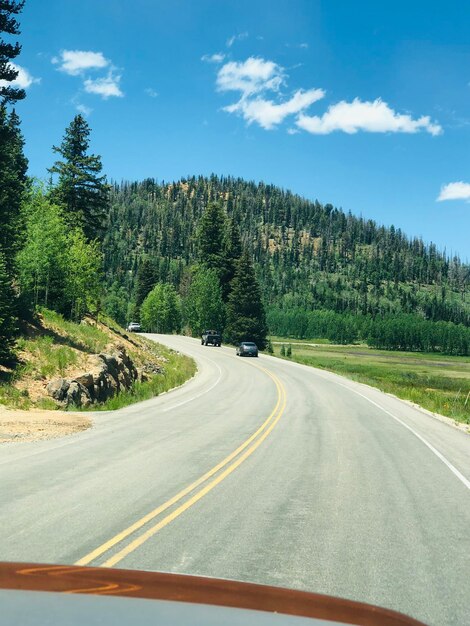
(178, 176)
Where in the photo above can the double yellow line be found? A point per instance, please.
(228, 465)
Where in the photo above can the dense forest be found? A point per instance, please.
(322, 272)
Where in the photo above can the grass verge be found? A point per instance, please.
(438, 383)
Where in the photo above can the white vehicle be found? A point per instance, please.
(134, 327)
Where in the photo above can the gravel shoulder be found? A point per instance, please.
(35, 424)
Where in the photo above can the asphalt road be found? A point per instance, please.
(259, 470)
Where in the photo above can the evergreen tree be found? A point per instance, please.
(147, 277)
(9, 25)
(13, 167)
(7, 315)
(81, 190)
(211, 233)
(232, 251)
(246, 319)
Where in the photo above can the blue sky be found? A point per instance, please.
(361, 104)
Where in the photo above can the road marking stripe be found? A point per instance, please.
(147, 518)
(330, 376)
(131, 547)
(439, 455)
(198, 395)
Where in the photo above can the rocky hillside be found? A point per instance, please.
(67, 365)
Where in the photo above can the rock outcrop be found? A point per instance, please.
(108, 374)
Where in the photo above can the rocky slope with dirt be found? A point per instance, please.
(64, 366)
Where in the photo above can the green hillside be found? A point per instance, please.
(322, 272)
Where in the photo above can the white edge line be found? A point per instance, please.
(439, 455)
(436, 452)
(175, 406)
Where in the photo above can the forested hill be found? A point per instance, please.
(308, 256)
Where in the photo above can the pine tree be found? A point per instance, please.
(7, 315)
(211, 233)
(147, 277)
(246, 320)
(13, 167)
(232, 251)
(80, 189)
(8, 52)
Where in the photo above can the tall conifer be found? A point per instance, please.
(81, 189)
(8, 51)
(13, 167)
(246, 319)
(7, 314)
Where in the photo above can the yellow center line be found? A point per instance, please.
(88, 558)
(197, 496)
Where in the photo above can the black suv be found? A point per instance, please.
(211, 337)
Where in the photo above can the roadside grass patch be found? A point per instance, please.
(14, 398)
(438, 383)
(83, 336)
(47, 404)
(48, 358)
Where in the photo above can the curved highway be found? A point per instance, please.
(259, 470)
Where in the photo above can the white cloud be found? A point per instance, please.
(455, 191)
(151, 92)
(105, 87)
(373, 117)
(255, 77)
(250, 77)
(218, 57)
(234, 38)
(84, 110)
(22, 81)
(268, 114)
(75, 62)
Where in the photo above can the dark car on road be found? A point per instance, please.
(247, 348)
(211, 338)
